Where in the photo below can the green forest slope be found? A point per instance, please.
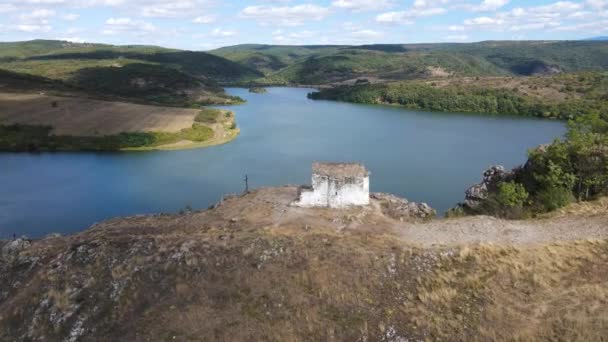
(327, 64)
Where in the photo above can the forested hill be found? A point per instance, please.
(144, 73)
(196, 63)
(563, 96)
(333, 63)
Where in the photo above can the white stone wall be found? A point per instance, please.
(328, 192)
(317, 197)
(344, 194)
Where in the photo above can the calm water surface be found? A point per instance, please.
(430, 157)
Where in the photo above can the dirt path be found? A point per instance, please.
(484, 229)
(270, 207)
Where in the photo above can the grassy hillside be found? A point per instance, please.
(327, 64)
(40, 47)
(144, 73)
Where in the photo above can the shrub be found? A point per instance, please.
(207, 115)
(511, 194)
(455, 212)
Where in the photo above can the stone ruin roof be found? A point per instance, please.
(339, 170)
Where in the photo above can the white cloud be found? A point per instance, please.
(533, 26)
(597, 4)
(127, 25)
(490, 5)
(285, 15)
(145, 8)
(430, 3)
(420, 8)
(394, 18)
(205, 19)
(219, 32)
(597, 27)
(37, 15)
(44, 2)
(362, 5)
(5, 8)
(70, 16)
(34, 28)
(405, 17)
(559, 7)
(169, 9)
(456, 28)
(545, 17)
(483, 21)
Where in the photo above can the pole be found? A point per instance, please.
(246, 184)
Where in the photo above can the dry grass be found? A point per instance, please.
(86, 117)
(588, 208)
(499, 293)
(204, 277)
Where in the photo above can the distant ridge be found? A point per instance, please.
(598, 38)
(323, 64)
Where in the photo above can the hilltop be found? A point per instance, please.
(254, 268)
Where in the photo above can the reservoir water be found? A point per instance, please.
(422, 156)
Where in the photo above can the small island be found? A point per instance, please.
(258, 90)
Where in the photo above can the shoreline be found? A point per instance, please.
(187, 144)
(106, 126)
(275, 201)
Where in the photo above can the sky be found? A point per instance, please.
(208, 24)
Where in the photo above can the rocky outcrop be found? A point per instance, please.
(478, 193)
(401, 209)
(11, 248)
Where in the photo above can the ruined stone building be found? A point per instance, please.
(336, 185)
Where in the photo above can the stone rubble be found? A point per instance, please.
(401, 209)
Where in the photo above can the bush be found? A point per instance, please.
(458, 211)
(208, 115)
(511, 194)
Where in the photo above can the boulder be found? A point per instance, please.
(401, 209)
(479, 192)
(15, 246)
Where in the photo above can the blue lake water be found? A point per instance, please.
(429, 157)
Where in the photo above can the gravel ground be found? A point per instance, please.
(270, 207)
